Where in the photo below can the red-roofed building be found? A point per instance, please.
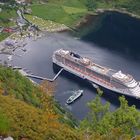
(8, 30)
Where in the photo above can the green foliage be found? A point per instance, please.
(91, 5)
(99, 117)
(4, 123)
(33, 123)
(3, 36)
(128, 5)
(20, 87)
(69, 3)
(122, 122)
(31, 112)
(127, 118)
(27, 111)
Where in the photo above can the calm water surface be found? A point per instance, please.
(38, 59)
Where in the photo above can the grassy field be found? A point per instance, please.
(3, 36)
(73, 10)
(59, 13)
(46, 25)
(70, 3)
(132, 6)
(5, 22)
(5, 16)
(70, 12)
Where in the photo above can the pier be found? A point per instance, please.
(24, 73)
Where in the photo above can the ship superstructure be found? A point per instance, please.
(97, 74)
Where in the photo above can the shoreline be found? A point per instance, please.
(98, 11)
(91, 19)
(17, 41)
(84, 20)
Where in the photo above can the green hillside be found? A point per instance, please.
(132, 6)
(28, 111)
(129, 5)
(72, 12)
(64, 14)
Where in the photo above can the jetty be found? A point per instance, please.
(24, 73)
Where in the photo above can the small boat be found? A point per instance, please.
(75, 96)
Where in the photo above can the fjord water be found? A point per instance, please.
(38, 59)
(118, 32)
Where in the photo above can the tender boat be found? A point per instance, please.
(75, 96)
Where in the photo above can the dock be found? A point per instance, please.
(24, 73)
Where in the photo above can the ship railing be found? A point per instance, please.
(124, 91)
(91, 76)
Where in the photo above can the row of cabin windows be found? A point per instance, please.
(117, 85)
(82, 68)
(69, 62)
(88, 71)
(98, 75)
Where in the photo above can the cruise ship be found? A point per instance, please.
(96, 74)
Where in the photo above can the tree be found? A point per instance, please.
(99, 117)
(124, 122)
(127, 118)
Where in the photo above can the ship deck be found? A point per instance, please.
(76, 59)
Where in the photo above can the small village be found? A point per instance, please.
(25, 28)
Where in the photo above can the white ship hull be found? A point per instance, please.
(93, 81)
